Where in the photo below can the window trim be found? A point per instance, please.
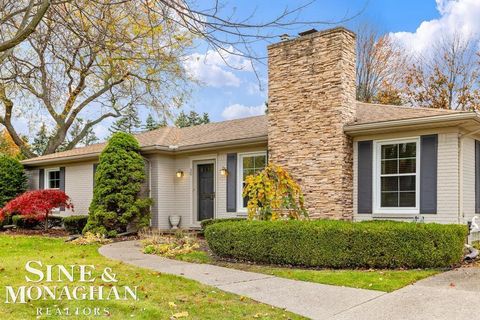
(47, 178)
(377, 177)
(240, 156)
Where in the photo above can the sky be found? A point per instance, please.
(228, 93)
(239, 90)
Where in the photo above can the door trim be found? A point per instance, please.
(194, 189)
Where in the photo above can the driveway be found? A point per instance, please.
(451, 295)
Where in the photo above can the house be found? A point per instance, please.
(353, 160)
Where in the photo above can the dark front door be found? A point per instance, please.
(206, 193)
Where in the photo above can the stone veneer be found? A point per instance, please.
(311, 98)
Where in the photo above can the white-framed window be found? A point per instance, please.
(249, 163)
(397, 176)
(52, 178)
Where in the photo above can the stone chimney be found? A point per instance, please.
(311, 97)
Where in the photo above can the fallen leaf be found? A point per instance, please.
(183, 314)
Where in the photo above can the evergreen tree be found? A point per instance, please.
(128, 122)
(40, 142)
(13, 180)
(191, 119)
(119, 178)
(152, 124)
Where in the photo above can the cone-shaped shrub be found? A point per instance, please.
(119, 177)
(13, 180)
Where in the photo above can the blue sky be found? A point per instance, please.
(227, 93)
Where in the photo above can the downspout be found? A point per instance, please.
(460, 176)
(149, 182)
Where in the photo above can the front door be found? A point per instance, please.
(206, 191)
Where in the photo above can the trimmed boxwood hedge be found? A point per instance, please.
(75, 224)
(339, 244)
(207, 222)
(24, 223)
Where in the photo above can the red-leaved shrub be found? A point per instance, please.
(37, 204)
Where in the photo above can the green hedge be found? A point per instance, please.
(339, 244)
(75, 224)
(208, 222)
(24, 223)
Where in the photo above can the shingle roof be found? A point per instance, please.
(232, 130)
(368, 112)
(241, 129)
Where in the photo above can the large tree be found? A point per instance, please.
(447, 76)
(380, 65)
(18, 20)
(93, 60)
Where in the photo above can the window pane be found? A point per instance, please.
(407, 199)
(248, 162)
(407, 165)
(389, 166)
(389, 183)
(389, 151)
(389, 199)
(407, 183)
(408, 150)
(260, 162)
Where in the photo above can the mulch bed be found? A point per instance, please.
(55, 233)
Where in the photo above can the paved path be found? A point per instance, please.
(312, 300)
(451, 295)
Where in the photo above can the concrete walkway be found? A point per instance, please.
(451, 295)
(312, 300)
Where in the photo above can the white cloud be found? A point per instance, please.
(457, 16)
(236, 111)
(217, 69)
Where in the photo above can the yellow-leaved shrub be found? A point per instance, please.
(273, 195)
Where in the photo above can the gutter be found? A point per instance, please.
(35, 162)
(375, 126)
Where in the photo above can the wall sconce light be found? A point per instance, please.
(179, 173)
(224, 171)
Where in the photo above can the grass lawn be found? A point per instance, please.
(382, 280)
(160, 295)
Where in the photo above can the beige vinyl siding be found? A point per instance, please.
(183, 191)
(162, 190)
(468, 180)
(447, 177)
(79, 186)
(447, 180)
(33, 179)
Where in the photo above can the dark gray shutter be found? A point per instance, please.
(477, 176)
(62, 183)
(232, 182)
(95, 165)
(41, 179)
(428, 173)
(365, 167)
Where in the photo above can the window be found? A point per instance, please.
(249, 164)
(397, 176)
(52, 180)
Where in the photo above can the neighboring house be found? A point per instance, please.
(354, 160)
